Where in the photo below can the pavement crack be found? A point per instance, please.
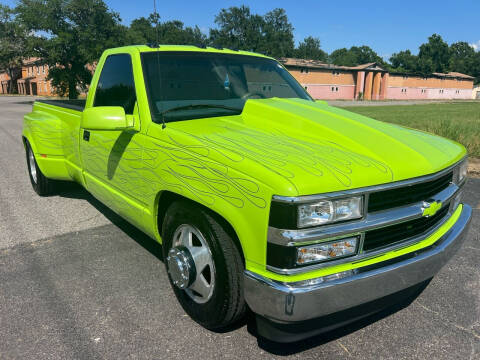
(427, 308)
(470, 330)
(344, 348)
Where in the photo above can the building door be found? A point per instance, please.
(34, 88)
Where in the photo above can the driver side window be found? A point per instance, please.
(116, 86)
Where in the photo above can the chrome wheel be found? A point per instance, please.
(190, 264)
(33, 168)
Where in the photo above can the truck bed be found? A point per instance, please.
(78, 105)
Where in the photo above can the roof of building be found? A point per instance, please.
(315, 64)
(321, 65)
(454, 74)
(31, 60)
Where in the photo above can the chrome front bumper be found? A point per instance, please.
(282, 303)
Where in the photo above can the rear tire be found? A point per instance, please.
(220, 301)
(40, 183)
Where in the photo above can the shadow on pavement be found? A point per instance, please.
(75, 191)
(398, 302)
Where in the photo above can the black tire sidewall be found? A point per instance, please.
(210, 314)
(42, 186)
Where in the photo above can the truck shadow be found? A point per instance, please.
(75, 191)
(404, 299)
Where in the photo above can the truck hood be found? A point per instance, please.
(299, 147)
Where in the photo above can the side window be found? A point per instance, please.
(116, 86)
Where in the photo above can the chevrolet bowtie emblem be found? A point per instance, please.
(430, 208)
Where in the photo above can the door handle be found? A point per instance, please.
(86, 135)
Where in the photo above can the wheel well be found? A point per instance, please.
(166, 198)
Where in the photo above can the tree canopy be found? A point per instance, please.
(437, 56)
(68, 35)
(146, 30)
(309, 48)
(13, 45)
(356, 55)
(238, 28)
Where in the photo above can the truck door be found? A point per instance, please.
(111, 159)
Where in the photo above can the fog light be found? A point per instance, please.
(323, 279)
(327, 251)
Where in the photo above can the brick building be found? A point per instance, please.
(34, 78)
(372, 82)
(322, 81)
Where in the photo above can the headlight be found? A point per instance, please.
(329, 211)
(327, 251)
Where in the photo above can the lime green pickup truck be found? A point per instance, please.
(261, 197)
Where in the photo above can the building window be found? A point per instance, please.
(305, 88)
(333, 88)
(336, 89)
(43, 69)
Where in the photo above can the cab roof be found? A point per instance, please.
(190, 48)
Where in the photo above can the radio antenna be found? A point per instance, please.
(157, 45)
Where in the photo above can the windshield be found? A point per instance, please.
(192, 85)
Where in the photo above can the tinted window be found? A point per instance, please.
(180, 79)
(116, 86)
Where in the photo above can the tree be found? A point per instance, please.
(434, 55)
(343, 57)
(278, 34)
(238, 28)
(404, 61)
(462, 58)
(144, 30)
(13, 44)
(355, 56)
(76, 33)
(309, 48)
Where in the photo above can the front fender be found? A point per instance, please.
(241, 200)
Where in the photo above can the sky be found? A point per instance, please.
(386, 26)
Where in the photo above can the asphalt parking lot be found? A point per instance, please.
(76, 281)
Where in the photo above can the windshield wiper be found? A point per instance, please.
(201, 106)
(197, 106)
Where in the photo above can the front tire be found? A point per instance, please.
(204, 266)
(40, 183)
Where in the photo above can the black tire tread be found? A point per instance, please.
(43, 186)
(233, 306)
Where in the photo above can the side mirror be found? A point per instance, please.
(105, 118)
